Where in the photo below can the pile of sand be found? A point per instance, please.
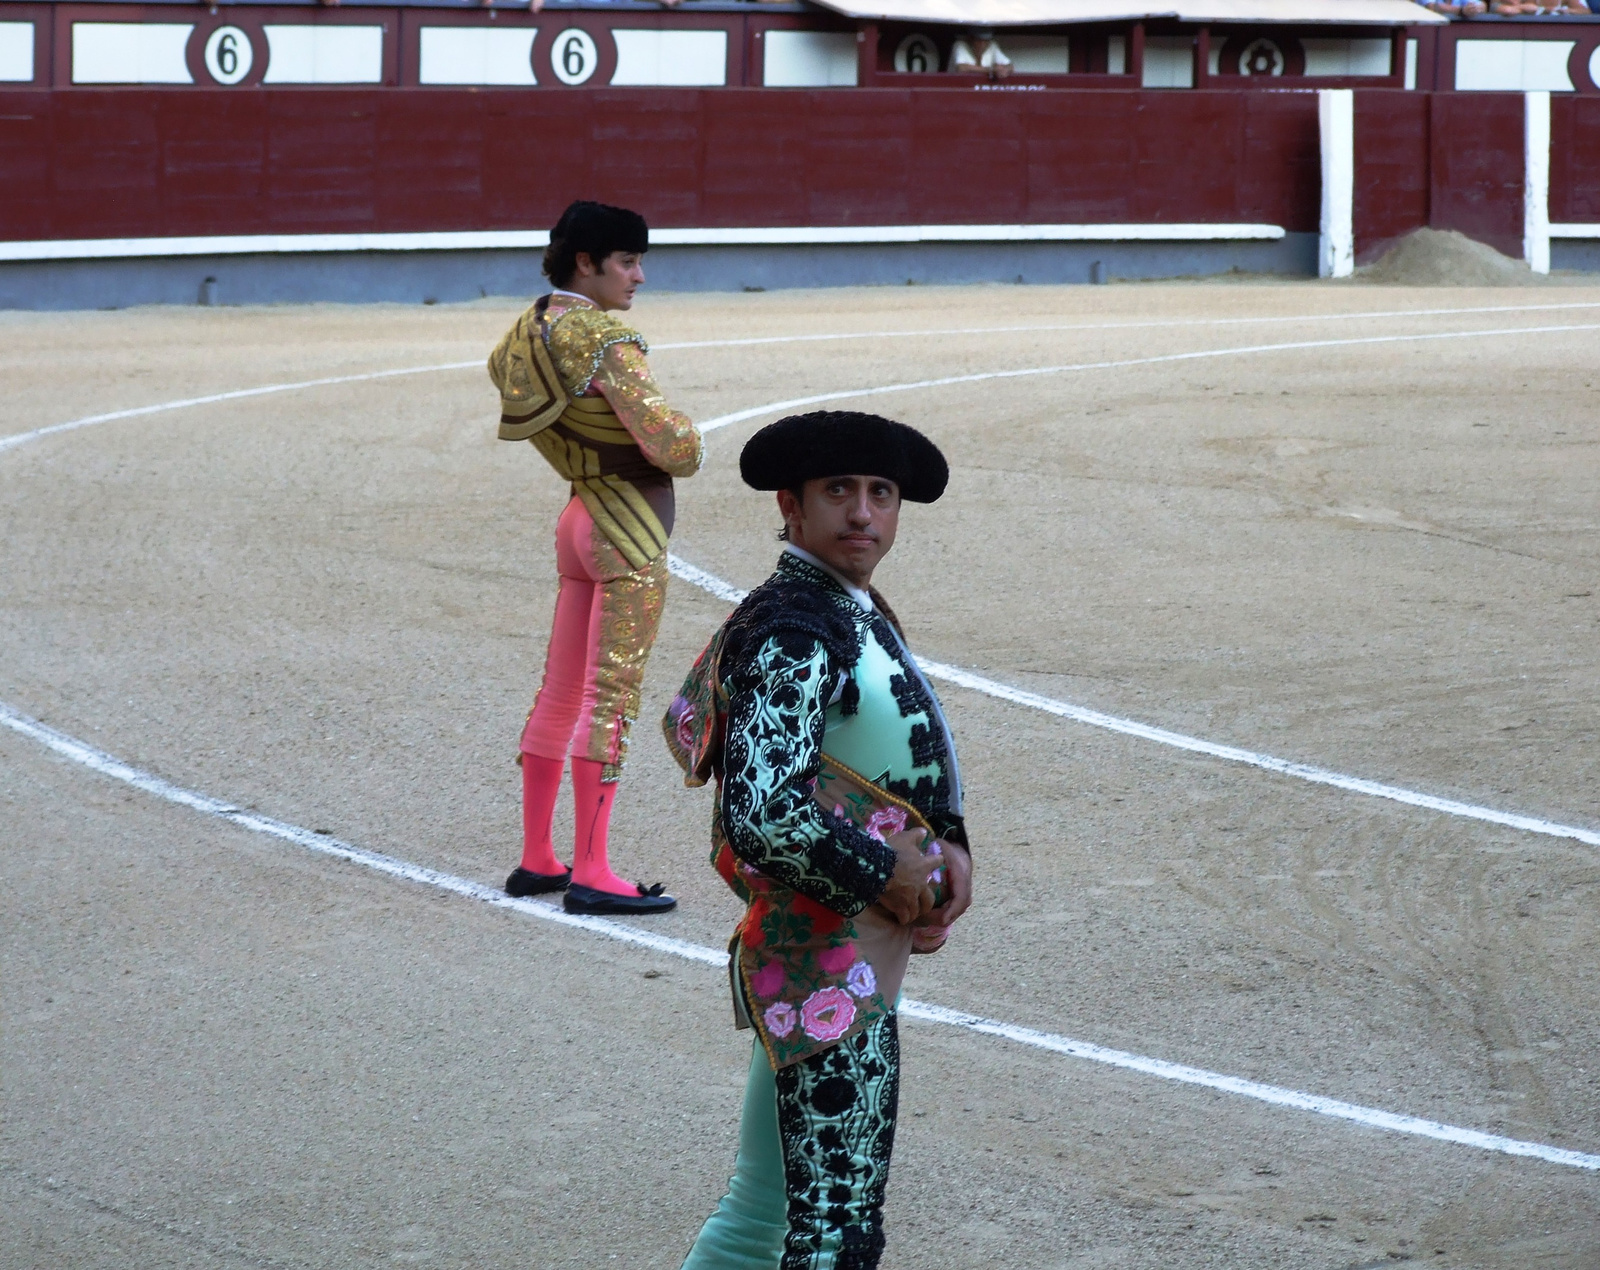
(1445, 258)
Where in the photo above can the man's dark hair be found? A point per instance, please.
(597, 230)
(799, 491)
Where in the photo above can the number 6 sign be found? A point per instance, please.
(573, 56)
(229, 55)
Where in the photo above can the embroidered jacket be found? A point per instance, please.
(600, 420)
(825, 739)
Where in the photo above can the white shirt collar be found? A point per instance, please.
(854, 592)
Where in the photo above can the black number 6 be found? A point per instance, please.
(227, 55)
(572, 59)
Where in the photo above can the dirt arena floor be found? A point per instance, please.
(1370, 553)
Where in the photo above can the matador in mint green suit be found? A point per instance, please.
(825, 738)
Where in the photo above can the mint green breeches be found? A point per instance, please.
(746, 1231)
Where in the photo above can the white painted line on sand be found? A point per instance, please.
(238, 394)
(723, 590)
(108, 765)
(794, 403)
(22, 438)
(727, 591)
(1162, 324)
(1234, 754)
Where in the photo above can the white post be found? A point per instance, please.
(1536, 182)
(1336, 111)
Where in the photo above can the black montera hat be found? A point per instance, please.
(844, 442)
(598, 229)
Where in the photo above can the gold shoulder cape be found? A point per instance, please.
(537, 383)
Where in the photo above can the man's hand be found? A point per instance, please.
(958, 878)
(909, 897)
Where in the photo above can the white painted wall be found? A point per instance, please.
(1336, 254)
(674, 58)
(1037, 54)
(476, 55)
(306, 54)
(1513, 66)
(130, 53)
(1168, 61)
(1411, 63)
(809, 59)
(16, 52)
(1347, 57)
(1117, 55)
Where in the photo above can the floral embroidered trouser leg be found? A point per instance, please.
(814, 1146)
(836, 1117)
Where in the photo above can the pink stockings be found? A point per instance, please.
(605, 623)
(592, 799)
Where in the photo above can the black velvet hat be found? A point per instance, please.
(805, 447)
(598, 229)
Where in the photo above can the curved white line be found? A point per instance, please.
(108, 765)
(239, 394)
(848, 394)
(1162, 324)
(23, 438)
(1094, 718)
(724, 590)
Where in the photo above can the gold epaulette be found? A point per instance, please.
(531, 393)
(579, 339)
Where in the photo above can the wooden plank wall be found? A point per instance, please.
(1575, 160)
(1455, 161)
(150, 163)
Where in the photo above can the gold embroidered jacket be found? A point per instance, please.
(574, 381)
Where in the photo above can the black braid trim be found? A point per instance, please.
(780, 604)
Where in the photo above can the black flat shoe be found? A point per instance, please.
(524, 882)
(588, 901)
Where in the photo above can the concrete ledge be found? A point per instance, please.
(425, 276)
(1576, 254)
(538, 239)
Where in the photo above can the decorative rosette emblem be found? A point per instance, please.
(861, 981)
(827, 1014)
(885, 821)
(779, 1018)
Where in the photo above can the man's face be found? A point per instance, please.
(612, 285)
(849, 522)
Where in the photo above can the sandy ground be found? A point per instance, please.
(331, 605)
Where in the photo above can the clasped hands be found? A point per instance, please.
(909, 896)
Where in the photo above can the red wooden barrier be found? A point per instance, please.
(1575, 159)
(151, 163)
(1391, 186)
(1476, 167)
(1446, 160)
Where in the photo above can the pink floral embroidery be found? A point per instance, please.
(834, 960)
(885, 821)
(861, 981)
(685, 727)
(839, 813)
(827, 1014)
(768, 981)
(779, 1018)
